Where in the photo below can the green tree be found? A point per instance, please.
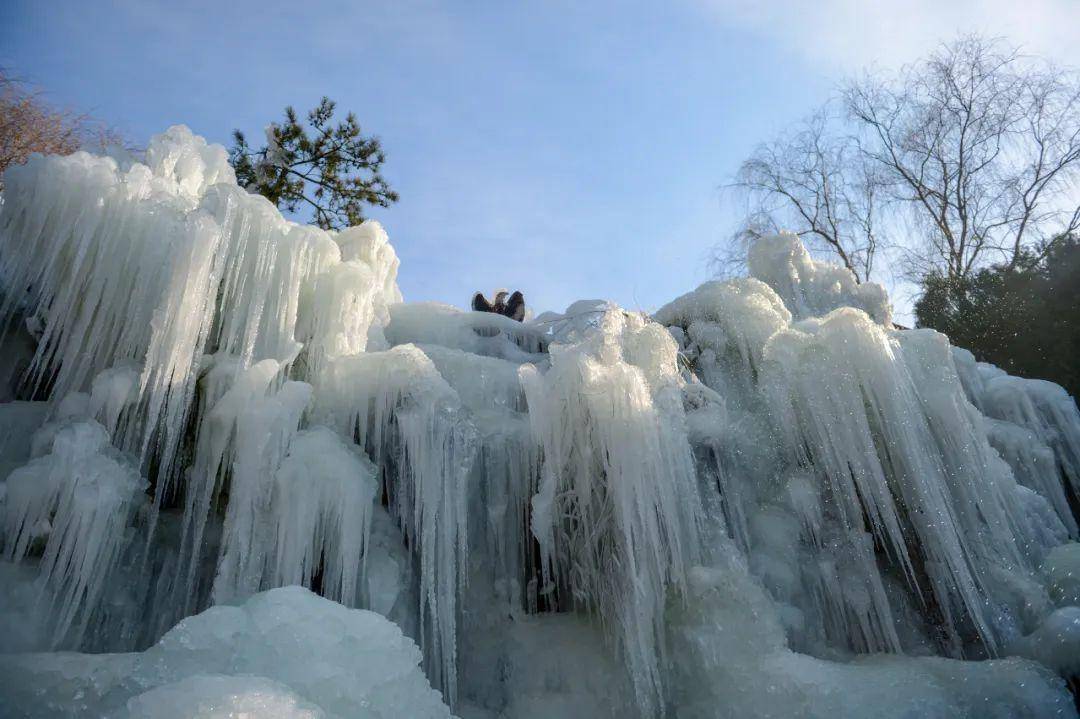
(1024, 318)
(330, 169)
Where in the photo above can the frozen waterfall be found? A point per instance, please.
(762, 500)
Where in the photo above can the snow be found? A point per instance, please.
(812, 288)
(285, 649)
(762, 500)
(213, 696)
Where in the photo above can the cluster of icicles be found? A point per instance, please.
(262, 382)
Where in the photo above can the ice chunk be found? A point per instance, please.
(550, 665)
(387, 571)
(111, 392)
(738, 315)
(368, 243)
(1041, 407)
(18, 423)
(188, 161)
(23, 625)
(1034, 465)
(483, 333)
(265, 424)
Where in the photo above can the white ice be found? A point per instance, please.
(762, 500)
(285, 650)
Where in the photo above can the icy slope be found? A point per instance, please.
(761, 501)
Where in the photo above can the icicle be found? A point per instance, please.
(269, 262)
(412, 423)
(1045, 409)
(319, 512)
(79, 499)
(264, 428)
(839, 387)
(506, 469)
(887, 492)
(1033, 464)
(617, 514)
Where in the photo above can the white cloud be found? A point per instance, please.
(849, 35)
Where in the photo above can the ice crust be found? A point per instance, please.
(761, 500)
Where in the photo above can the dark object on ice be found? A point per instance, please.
(514, 307)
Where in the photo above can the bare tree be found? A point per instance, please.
(29, 124)
(816, 182)
(980, 144)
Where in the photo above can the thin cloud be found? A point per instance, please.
(849, 35)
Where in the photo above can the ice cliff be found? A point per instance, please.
(762, 500)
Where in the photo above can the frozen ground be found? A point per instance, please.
(760, 501)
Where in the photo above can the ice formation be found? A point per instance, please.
(762, 500)
(285, 651)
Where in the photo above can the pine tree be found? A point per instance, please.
(330, 170)
(1024, 318)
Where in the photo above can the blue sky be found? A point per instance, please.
(573, 150)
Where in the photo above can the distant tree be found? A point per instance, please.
(981, 145)
(333, 169)
(1022, 316)
(964, 159)
(29, 124)
(815, 182)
